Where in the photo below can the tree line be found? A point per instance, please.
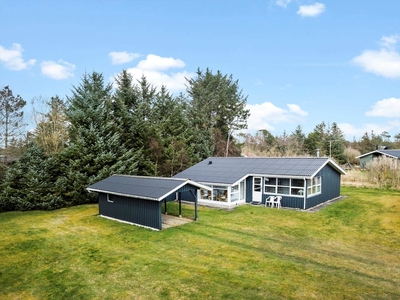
(134, 129)
(326, 140)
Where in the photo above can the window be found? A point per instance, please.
(242, 190)
(110, 198)
(314, 186)
(234, 193)
(220, 193)
(205, 194)
(284, 186)
(269, 185)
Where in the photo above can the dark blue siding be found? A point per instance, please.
(188, 193)
(330, 187)
(249, 189)
(287, 201)
(133, 210)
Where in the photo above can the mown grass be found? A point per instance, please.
(348, 250)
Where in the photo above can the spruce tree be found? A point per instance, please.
(217, 110)
(30, 183)
(96, 149)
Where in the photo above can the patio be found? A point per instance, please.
(172, 221)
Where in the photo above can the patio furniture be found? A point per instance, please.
(277, 201)
(269, 201)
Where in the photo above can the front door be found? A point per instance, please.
(257, 189)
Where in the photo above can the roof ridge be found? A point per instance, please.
(152, 177)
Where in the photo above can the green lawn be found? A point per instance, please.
(348, 250)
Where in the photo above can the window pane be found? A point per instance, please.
(235, 188)
(298, 192)
(270, 181)
(242, 190)
(220, 193)
(234, 197)
(270, 189)
(298, 182)
(283, 190)
(284, 181)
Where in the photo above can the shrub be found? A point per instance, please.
(384, 171)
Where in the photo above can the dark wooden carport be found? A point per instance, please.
(138, 199)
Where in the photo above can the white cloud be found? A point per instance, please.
(174, 82)
(385, 62)
(57, 70)
(389, 108)
(352, 131)
(311, 10)
(282, 3)
(157, 72)
(124, 57)
(294, 108)
(264, 115)
(158, 63)
(12, 58)
(389, 41)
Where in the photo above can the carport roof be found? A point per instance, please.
(143, 187)
(229, 170)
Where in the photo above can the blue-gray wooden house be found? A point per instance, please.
(368, 157)
(138, 200)
(303, 182)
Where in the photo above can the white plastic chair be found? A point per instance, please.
(277, 201)
(270, 201)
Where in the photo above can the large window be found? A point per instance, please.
(314, 186)
(284, 186)
(220, 193)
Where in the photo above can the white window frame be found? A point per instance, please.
(314, 186)
(110, 198)
(290, 187)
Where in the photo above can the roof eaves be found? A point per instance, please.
(121, 194)
(186, 181)
(365, 154)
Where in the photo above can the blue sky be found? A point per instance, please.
(300, 62)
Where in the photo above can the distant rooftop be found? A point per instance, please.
(395, 153)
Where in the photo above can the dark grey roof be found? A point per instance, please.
(395, 153)
(152, 188)
(228, 170)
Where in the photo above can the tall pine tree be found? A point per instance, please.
(96, 149)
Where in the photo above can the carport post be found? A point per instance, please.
(180, 204)
(165, 207)
(195, 206)
(195, 203)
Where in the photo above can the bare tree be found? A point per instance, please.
(51, 130)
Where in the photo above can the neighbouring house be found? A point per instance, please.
(368, 157)
(138, 200)
(302, 182)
